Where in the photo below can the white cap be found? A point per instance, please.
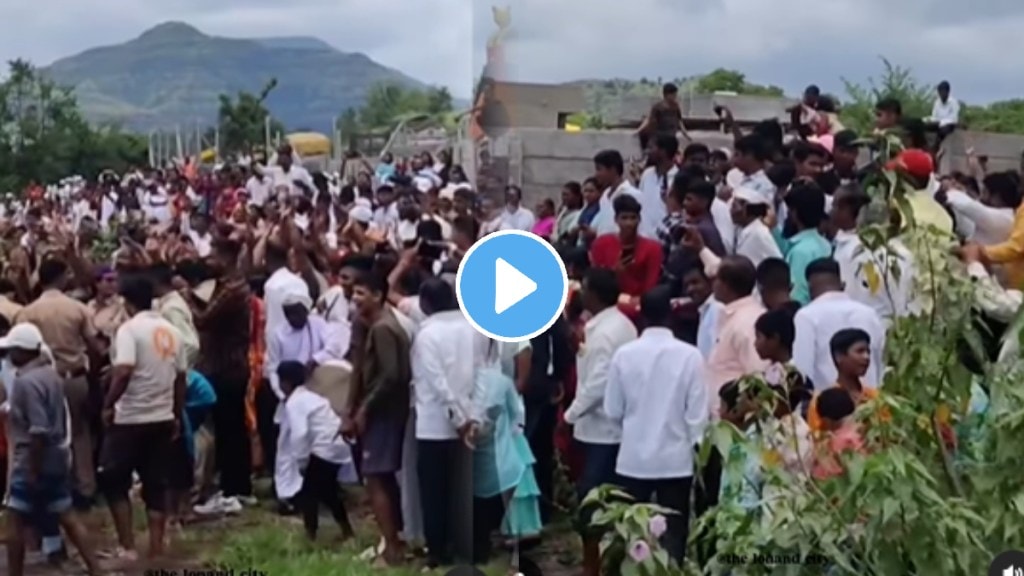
(751, 196)
(361, 213)
(24, 336)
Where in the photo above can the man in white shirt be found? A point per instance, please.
(751, 157)
(945, 113)
(492, 218)
(259, 188)
(385, 215)
(656, 179)
(312, 453)
(156, 204)
(870, 278)
(199, 234)
(698, 288)
(753, 239)
(657, 393)
(143, 411)
(987, 220)
(279, 286)
(444, 362)
(830, 311)
(609, 168)
(286, 177)
(598, 435)
(515, 216)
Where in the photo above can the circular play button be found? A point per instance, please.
(512, 285)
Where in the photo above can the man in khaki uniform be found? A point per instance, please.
(67, 326)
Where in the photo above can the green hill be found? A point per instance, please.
(173, 74)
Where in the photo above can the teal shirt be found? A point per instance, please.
(803, 248)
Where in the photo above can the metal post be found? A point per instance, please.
(178, 143)
(266, 138)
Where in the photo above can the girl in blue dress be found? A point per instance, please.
(503, 462)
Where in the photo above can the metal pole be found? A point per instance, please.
(178, 144)
(266, 138)
(216, 143)
(149, 149)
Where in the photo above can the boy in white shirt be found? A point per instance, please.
(311, 453)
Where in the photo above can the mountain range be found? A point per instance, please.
(173, 75)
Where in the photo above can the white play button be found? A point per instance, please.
(510, 286)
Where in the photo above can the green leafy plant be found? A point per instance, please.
(629, 546)
(906, 506)
(917, 500)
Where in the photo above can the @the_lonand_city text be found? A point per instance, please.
(772, 559)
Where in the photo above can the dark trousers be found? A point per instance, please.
(445, 469)
(705, 497)
(671, 493)
(320, 486)
(266, 406)
(487, 516)
(598, 469)
(231, 436)
(541, 419)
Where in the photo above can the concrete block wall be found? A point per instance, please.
(550, 158)
(1003, 150)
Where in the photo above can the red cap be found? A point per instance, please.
(915, 162)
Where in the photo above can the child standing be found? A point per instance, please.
(835, 407)
(310, 452)
(851, 352)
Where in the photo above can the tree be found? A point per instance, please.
(243, 120)
(916, 98)
(858, 111)
(1006, 117)
(722, 80)
(389, 104)
(44, 138)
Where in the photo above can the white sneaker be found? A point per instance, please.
(230, 506)
(213, 506)
(209, 508)
(247, 501)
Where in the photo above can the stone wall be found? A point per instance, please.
(1003, 150)
(544, 160)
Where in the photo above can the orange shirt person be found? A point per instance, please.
(851, 352)
(1009, 253)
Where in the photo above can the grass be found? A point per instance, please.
(278, 547)
(260, 541)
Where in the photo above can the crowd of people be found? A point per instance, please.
(183, 331)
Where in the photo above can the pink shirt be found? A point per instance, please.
(733, 355)
(545, 227)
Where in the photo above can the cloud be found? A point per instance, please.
(790, 43)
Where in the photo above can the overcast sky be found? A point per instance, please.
(792, 43)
